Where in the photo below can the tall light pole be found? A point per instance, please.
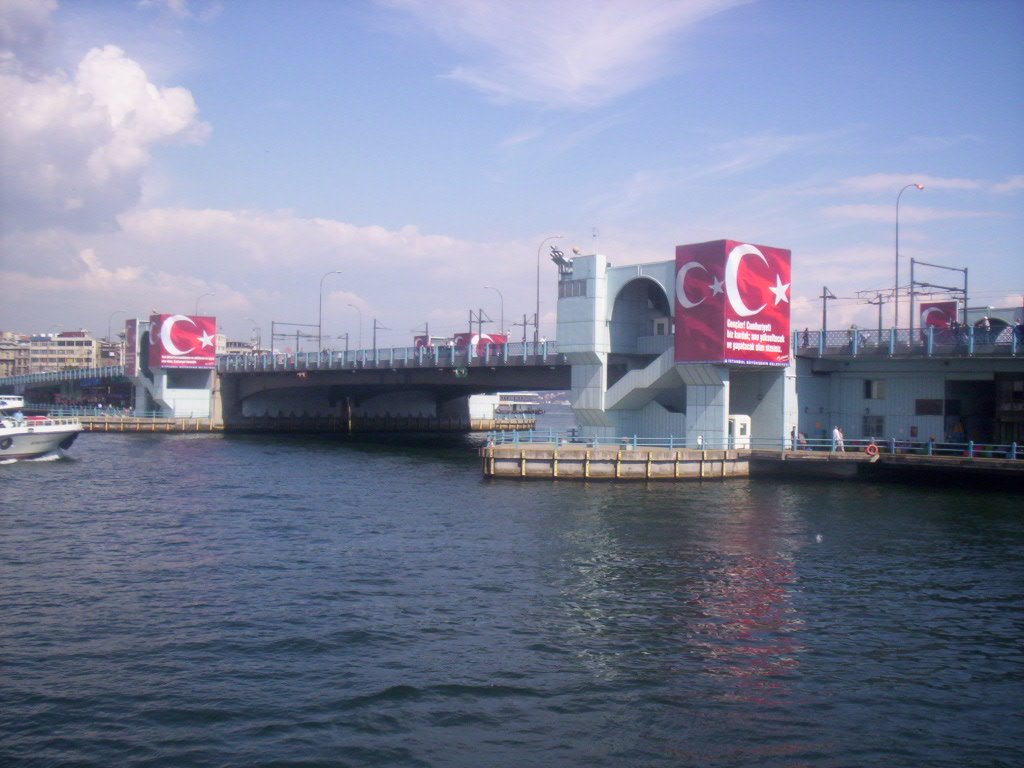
(501, 310)
(320, 316)
(896, 283)
(359, 343)
(200, 298)
(536, 317)
(109, 320)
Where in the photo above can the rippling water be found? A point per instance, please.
(236, 601)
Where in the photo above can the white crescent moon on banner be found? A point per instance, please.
(732, 272)
(681, 296)
(165, 334)
(927, 312)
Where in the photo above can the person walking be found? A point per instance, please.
(837, 440)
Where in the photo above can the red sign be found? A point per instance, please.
(732, 303)
(180, 341)
(479, 341)
(131, 347)
(938, 314)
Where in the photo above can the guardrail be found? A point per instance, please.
(871, 446)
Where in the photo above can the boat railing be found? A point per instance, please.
(42, 421)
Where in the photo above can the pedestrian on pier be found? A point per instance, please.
(837, 440)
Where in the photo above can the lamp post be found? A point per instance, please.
(200, 298)
(256, 328)
(377, 327)
(320, 316)
(109, 320)
(501, 308)
(896, 283)
(536, 317)
(359, 342)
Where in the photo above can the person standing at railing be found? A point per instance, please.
(837, 440)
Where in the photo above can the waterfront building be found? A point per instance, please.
(63, 351)
(14, 354)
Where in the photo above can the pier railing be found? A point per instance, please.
(869, 446)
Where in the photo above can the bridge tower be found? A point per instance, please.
(681, 347)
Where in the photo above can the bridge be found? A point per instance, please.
(413, 388)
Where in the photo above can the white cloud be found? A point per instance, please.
(572, 53)
(182, 9)
(25, 26)
(908, 213)
(75, 148)
(894, 182)
(1012, 184)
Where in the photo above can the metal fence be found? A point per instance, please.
(871, 446)
(900, 342)
(516, 353)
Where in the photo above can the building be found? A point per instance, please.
(63, 351)
(14, 354)
(698, 347)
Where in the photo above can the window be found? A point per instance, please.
(874, 389)
(873, 426)
(570, 288)
(927, 407)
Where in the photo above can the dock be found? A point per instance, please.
(569, 461)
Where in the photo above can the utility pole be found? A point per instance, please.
(525, 324)
(879, 301)
(826, 294)
(480, 320)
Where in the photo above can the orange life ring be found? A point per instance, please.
(871, 450)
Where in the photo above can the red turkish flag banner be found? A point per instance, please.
(938, 314)
(182, 341)
(732, 303)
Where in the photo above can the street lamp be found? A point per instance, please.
(359, 343)
(896, 283)
(536, 317)
(320, 317)
(256, 328)
(109, 319)
(501, 305)
(200, 298)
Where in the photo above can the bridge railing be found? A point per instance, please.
(69, 374)
(490, 355)
(900, 342)
(891, 446)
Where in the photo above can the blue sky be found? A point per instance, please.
(156, 151)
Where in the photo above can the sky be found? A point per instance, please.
(233, 155)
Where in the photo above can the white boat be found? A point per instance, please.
(518, 403)
(25, 437)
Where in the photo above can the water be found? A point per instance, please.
(200, 600)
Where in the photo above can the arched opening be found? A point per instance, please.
(640, 328)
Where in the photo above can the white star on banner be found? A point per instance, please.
(779, 289)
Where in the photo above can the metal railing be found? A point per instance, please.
(516, 353)
(869, 445)
(900, 342)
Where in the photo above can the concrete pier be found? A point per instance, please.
(582, 462)
(579, 462)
